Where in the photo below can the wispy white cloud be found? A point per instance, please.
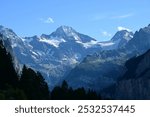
(49, 20)
(123, 28)
(106, 34)
(99, 17)
(122, 16)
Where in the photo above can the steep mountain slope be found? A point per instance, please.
(103, 69)
(119, 40)
(140, 41)
(98, 71)
(53, 55)
(29, 85)
(56, 54)
(135, 83)
(8, 75)
(10, 41)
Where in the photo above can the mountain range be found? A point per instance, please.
(81, 60)
(104, 68)
(56, 54)
(53, 55)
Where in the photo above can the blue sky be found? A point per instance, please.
(97, 18)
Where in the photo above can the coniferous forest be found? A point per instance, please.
(30, 85)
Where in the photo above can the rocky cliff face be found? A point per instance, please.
(98, 71)
(104, 68)
(135, 83)
(140, 41)
(53, 55)
(66, 50)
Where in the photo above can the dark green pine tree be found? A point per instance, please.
(92, 95)
(56, 93)
(33, 85)
(80, 94)
(60, 93)
(8, 75)
(64, 92)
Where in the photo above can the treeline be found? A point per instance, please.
(64, 92)
(31, 85)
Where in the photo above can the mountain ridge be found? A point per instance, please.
(56, 54)
(107, 66)
(52, 56)
(119, 40)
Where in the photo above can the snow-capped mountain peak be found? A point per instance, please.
(66, 32)
(66, 29)
(119, 40)
(10, 36)
(54, 55)
(7, 32)
(123, 34)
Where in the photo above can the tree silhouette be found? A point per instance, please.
(33, 84)
(64, 92)
(8, 75)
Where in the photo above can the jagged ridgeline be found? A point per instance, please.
(80, 60)
(30, 84)
(56, 54)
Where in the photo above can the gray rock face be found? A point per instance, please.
(118, 41)
(135, 84)
(107, 66)
(140, 41)
(121, 38)
(56, 54)
(98, 71)
(84, 62)
(53, 55)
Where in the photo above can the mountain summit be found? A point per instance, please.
(69, 34)
(79, 59)
(119, 40)
(56, 54)
(53, 55)
(105, 68)
(64, 30)
(122, 35)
